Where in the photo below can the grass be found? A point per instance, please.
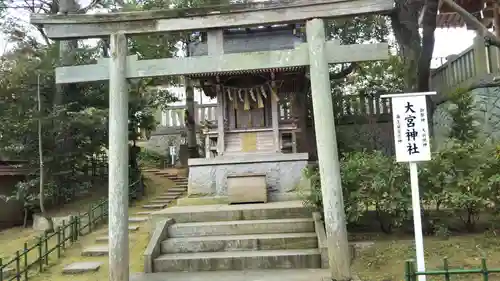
(384, 261)
(13, 239)
(138, 243)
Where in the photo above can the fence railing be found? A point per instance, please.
(35, 256)
(477, 63)
(411, 273)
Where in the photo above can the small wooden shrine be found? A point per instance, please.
(259, 111)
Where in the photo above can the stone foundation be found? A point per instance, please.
(208, 177)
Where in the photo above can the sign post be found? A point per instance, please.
(173, 153)
(411, 136)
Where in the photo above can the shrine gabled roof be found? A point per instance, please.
(481, 9)
(250, 72)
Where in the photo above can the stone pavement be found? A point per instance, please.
(246, 275)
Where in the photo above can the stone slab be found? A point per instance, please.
(102, 239)
(161, 201)
(144, 213)
(96, 250)
(133, 228)
(7, 272)
(245, 275)
(81, 267)
(224, 212)
(239, 260)
(253, 242)
(137, 219)
(241, 227)
(154, 206)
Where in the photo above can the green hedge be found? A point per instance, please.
(461, 181)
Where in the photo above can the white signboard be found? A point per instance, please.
(411, 129)
(173, 150)
(411, 135)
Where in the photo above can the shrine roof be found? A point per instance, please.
(482, 9)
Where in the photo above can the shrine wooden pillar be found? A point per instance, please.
(118, 160)
(329, 165)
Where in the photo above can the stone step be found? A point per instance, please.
(224, 212)
(169, 196)
(154, 206)
(137, 219)
(102, 239)
(144, 213)
(241, 227)
(81, 267)
(96, 250)
(239, 260)
(177, 189)
(152, 170)
(161, 201)
(253, 242)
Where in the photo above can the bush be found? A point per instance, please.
(463, 179)
(370, 181)
(149, 158)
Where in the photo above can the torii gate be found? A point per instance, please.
(316, 53)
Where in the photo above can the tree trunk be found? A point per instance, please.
(42, 171)
(416, 51)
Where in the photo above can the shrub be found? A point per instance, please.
(469, 190)
(149, 158)
(370, 181)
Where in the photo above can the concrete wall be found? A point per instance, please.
(11, 212)
(487, 113)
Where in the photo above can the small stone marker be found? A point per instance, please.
(7, 272)
(133, 227)
(137, 219)
(82, 267)
(96, 250)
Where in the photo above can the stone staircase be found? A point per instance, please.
(101, 248)
(239, 237)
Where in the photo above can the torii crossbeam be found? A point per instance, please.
(317, 53)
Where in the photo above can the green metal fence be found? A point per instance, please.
(35, 256)
(411, 273)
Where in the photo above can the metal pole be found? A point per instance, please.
(417, 219)
(118, 161)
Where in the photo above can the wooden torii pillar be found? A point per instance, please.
(317, 54)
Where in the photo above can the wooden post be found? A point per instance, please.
(118, 161)
(191, 127)
(326, 139)
(215, 45)
(275, 123)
